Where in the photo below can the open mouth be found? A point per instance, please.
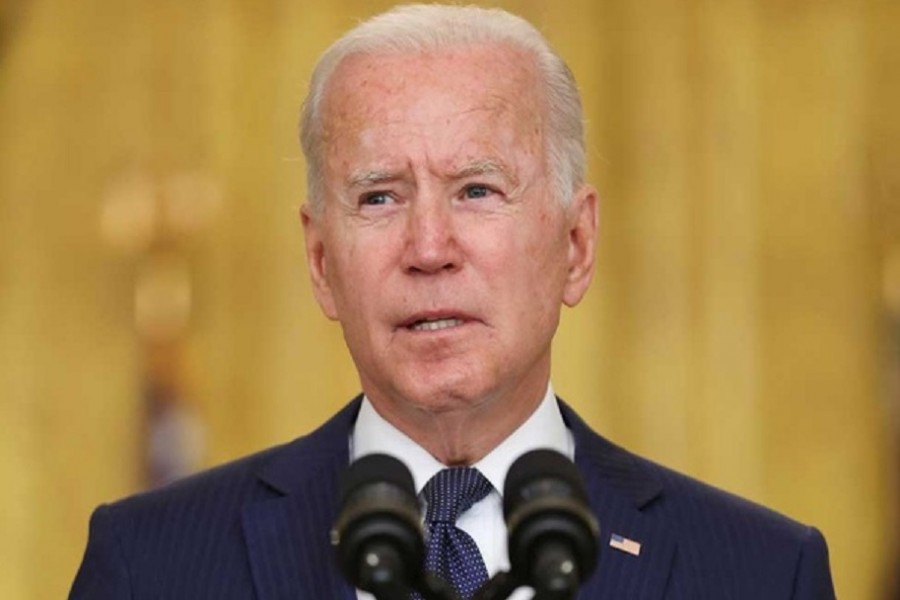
(435, 324)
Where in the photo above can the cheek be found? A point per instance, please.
(546, 247)
(351, 277)
(357, 269)
(340, 259)
(526, 265)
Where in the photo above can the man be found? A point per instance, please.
(448, 221)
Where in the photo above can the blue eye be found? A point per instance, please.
(477, 191)
(375, 199)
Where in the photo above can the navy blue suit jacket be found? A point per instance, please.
(259, 528)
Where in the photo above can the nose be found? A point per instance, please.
(431, 242)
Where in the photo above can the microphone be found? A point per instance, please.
(378, 532)
(552, 532)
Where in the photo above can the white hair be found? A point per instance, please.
(419, 28)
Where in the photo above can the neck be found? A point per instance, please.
(462, 436)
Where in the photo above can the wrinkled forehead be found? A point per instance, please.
(390, 87)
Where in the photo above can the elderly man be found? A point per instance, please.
(448, 221)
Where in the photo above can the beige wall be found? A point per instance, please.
(747, 155)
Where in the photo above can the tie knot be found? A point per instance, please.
(453, 491)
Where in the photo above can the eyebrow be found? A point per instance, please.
(370, 177)
(365, 178)
(482, 167)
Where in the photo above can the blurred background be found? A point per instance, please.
(155, 312)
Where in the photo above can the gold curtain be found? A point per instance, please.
(747, 156)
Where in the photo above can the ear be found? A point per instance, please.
(316, 259)
(582, 239)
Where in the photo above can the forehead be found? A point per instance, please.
(456, 98)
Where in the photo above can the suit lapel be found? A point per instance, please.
(619, 489)
(288, 533)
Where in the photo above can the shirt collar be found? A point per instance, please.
(545, 428)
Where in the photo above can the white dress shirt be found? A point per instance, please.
(484, 520)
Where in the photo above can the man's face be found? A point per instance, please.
(441, 248)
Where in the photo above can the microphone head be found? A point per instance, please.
(544, 504)
(541, 472)
(379, 513)
(376, 468)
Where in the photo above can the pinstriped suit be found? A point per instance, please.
(258, 529)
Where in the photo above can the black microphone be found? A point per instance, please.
(378, 532)
(552, 532)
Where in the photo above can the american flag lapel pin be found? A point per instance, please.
(624, 544)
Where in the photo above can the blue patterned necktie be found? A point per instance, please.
(451, 552)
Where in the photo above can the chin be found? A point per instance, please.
(446, 395)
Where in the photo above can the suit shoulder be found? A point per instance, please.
(724, 538)
(725, 546)
(676, 498)
(258, 475)
(236, 479)
(689, 497)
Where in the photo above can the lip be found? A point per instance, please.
(433, 316)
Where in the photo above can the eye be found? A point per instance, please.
(375, 199)
(475, 191)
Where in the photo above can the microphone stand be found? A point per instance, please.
(504, 583)
(498, 587)
(554, 596)
(429, 587)
(381, 573)
(433, 587)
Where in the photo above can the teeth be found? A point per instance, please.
(436, 324)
